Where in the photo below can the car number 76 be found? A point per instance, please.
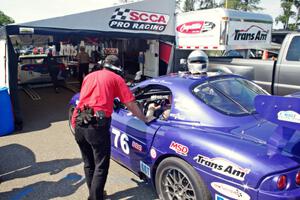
(123, 140)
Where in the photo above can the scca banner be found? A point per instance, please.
(138, 20)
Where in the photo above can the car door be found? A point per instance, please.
(131, 138)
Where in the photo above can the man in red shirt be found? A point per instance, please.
(98, 91)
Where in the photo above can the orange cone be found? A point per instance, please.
(265, 55)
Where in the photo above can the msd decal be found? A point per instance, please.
(179, 148)
(195, 27)
(223, 166)
(253, 33)
(138, 20)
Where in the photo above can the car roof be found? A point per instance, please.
(187, 107)
(185, 79)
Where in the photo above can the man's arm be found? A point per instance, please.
(133, 107)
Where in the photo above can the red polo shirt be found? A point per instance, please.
(99, 89)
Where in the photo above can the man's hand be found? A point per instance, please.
(136, 111)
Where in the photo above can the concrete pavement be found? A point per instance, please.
(43, 161)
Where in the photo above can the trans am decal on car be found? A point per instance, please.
(223, 166)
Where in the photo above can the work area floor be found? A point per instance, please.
(43, 161)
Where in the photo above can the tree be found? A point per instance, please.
(284, 18)
(178, 2)
(206, 4)
(297, 5)
(4, 19)
(189, 5)
(246, 5)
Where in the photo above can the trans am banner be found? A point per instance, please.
(249, 32)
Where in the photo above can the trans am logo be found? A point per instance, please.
(223, 166)
(138, 20)
(195, 27)
(253, 33)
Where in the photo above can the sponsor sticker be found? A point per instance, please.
(289, 116)
(219, 197)
(111, 51)
(130, 19)
(195, 27)
(223, 166)
(252, 33)
(145, 169)
(161, 81)
(177, 116)
(179, 148)
(136, 146)
(153, 153)
(26, 30)
(230, 191)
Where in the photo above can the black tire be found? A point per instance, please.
(189, 185)
(70, 113)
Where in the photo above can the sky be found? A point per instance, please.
(32, 10)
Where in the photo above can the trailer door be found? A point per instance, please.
(151, 62)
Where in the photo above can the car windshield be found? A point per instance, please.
(232, 96)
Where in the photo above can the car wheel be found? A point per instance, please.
(71, 110)
(177, 180)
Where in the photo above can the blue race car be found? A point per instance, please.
(224, 138)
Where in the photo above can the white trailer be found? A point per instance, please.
(223, 29)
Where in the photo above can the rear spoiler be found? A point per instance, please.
(283, 111)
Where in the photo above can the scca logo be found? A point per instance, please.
(148, 17)
(179, 148)
(129, 19)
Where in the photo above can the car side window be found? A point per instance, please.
(293, 53)
(232, 96)
(155, 101)
(217, 100)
